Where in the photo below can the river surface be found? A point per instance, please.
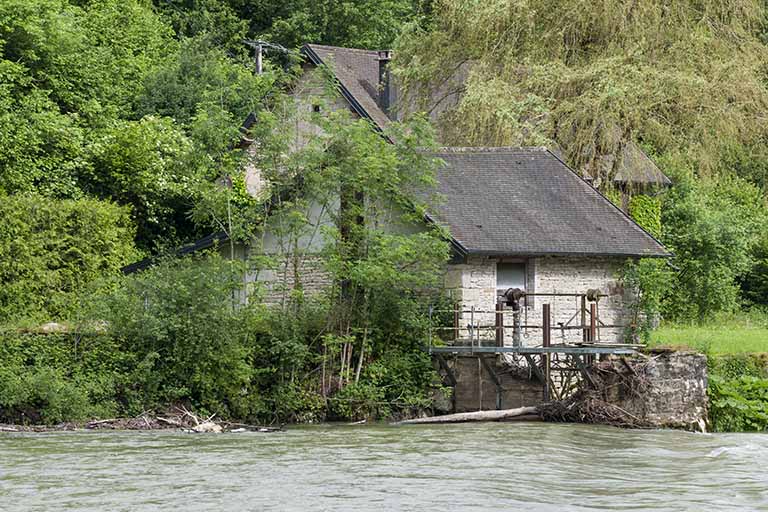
(492, 466)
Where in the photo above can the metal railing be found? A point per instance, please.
(588, 312)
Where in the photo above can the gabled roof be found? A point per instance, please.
(635, 167)
(527, 202)
(358, 74)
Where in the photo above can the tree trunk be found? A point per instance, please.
(475, 416)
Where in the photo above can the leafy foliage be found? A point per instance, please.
(646, 211)
(712, 227)
(356, 23)
(739, 405)
(184, 334)
(51, 378)
(560, 70)
(738, 393)
(52, 250)
(99, 99)
(650, 282)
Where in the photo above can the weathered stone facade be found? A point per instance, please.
(473, 284)
(666, 390)
(307, 274)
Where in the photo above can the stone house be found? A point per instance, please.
(520, 218)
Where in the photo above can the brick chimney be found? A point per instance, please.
(386, 98)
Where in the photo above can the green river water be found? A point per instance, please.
(491, 466)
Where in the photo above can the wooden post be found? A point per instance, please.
(480, 382)
(592, 322)
(546, 342)
(499, 324)
(472, 326)
(583, 318)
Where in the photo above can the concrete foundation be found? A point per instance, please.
(477, 390)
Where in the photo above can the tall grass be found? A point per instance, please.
(726, 334)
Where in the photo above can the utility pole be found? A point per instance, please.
(260, 47)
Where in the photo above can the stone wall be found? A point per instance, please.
(310, 92)
(276, 284)
(473, 284)
(665, 390)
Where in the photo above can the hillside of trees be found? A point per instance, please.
(118, 119)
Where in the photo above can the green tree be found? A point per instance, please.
(148, 166)
(52, 250)
(713, 228)
(184, 337)
(682, 77)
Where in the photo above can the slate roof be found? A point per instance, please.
(635, 167)
(358, 74)
(527, 202)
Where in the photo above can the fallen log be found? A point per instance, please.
(504, 414)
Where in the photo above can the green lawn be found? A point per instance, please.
(728, 337)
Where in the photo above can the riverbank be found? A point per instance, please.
(737, 368)
(178, 420)
(72, 381)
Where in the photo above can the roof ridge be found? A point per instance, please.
(329, 47)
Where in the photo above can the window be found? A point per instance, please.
(510, 275)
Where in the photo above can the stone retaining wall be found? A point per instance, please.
(669, 389)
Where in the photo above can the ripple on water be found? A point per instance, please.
(526, 466)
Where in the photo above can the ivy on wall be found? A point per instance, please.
(646, 211)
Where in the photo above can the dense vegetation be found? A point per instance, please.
(117, 119)
(685, 80)
(738, 392)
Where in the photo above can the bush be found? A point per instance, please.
(57, 377)
(739, 405)
(738, 393)
(51, 250)
(712, 227)
(186, 334)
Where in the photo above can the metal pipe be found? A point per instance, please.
(530, 326)
(499, 324)
(472, 327)
(456, 334)
(546, 341)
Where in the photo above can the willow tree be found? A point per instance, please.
(684, 78)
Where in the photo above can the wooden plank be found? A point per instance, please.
(584, 372)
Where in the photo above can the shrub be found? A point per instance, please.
(738, 393)
(186, 333)
(50, 250)
(57, 377)
(738, 405)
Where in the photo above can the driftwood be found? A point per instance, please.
(502, 415)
